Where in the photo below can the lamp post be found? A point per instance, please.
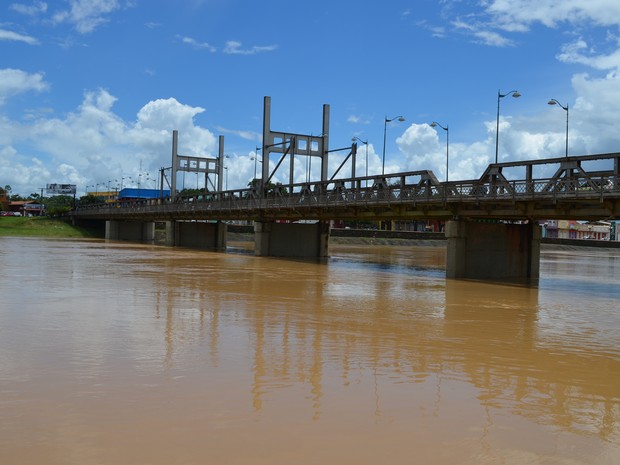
(123, 179)
(434, 124)
(226, 179)
(365, 142)
(515, 94)
(565, 108)
(386, 121)
(256, 160)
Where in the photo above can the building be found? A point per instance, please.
(570, 229)
(130, 193)
(26, 208)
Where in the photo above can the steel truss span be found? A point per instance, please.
(579, 187)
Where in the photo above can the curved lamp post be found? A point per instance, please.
(123, 179)
(256, 160)
(365, 142)
(515, 94)
(565, 108)
(388, 120)
(434, 124)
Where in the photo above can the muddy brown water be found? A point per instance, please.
(116, 353)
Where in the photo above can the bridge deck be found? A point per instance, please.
(573, 192)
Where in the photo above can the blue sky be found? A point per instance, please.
(91, 90)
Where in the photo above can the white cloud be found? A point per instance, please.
(30, 10)
(483, 34)
(14, 36)
(234, 48)
(196, 44)
(493, 38)
(580, 52)
(15, 81)
(93, 144)
(552, 12)
(86, 15)
(356, 119)
(247, 135)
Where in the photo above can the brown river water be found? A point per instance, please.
(116, 353)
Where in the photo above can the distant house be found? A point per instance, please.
(26, 208)
(569, 229)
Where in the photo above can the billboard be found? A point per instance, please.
(56, 189)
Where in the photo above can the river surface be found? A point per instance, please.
(115, 353)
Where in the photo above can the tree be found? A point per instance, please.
(90, 199)
(3, 199)
(58, 205)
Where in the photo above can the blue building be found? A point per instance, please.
(133, 193)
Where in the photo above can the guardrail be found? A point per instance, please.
(333, 198)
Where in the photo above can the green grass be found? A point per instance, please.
(39, 227)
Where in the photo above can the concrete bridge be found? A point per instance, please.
(491, 227)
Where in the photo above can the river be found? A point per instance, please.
(118, 353)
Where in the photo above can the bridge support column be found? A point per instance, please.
(170, 233)
(197, 235)
(133, 231)
(298, 240)
(493, 251)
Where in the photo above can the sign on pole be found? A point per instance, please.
(59, 189)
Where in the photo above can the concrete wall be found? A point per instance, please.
(492, 251)
(197, 235)
(295, 240)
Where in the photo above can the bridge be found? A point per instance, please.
(292, 219)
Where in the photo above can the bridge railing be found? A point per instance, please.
(384, 191)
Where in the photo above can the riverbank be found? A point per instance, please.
(52, 227)
(35, 226)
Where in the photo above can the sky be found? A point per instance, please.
(91, 90)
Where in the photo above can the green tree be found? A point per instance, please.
(90, 199)
(58, 205)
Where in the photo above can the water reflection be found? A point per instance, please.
(373, 346)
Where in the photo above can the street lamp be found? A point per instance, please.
(255, 157)
(388, 120)
(365, 142)
(565, 108)
(226, 179)
(434, 124)
(515, 94)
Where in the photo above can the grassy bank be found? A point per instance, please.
(38, 227)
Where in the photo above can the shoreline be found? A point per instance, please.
(58, 228)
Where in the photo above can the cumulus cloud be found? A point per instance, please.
(102, 145)
(15, 81)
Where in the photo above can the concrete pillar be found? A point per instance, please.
(133, 231)
(170, 233)
(200, 235)
(111, 230)
(295, 240)
(492, 251)
(262, 233)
